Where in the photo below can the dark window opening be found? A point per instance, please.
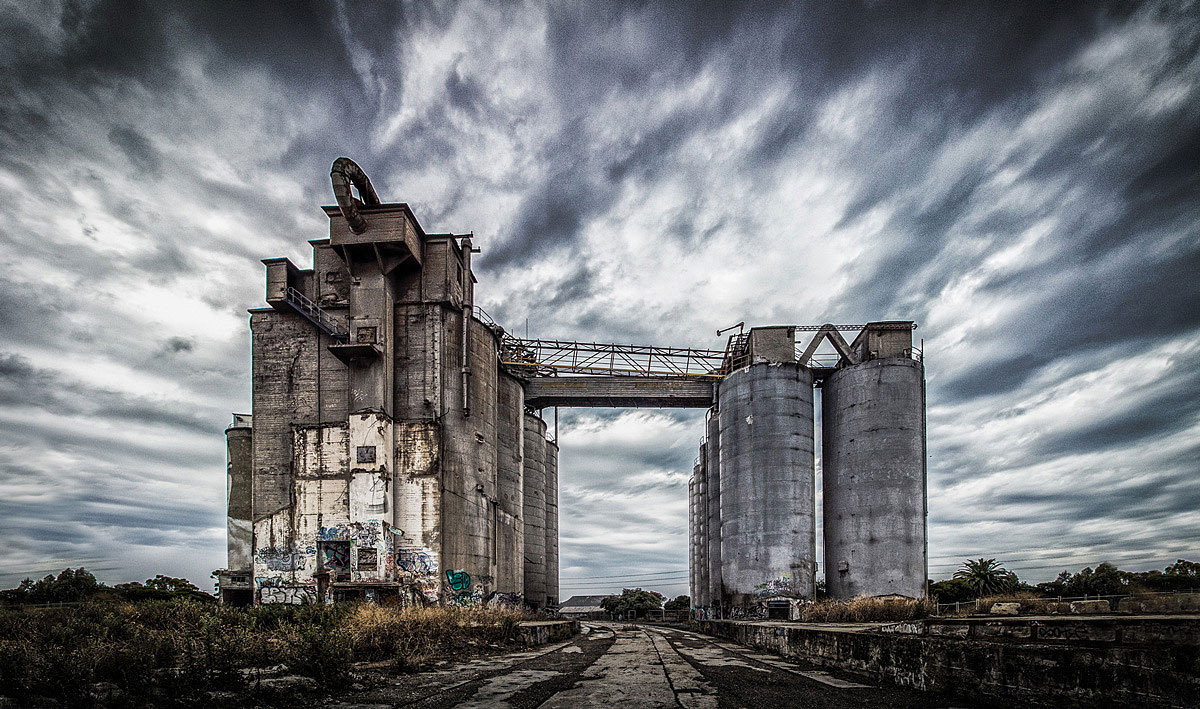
(365, 454)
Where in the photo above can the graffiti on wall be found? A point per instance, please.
(416, 561)
(466, 599)
(335, 555)
(458, 579)
(505, 600)
(361, 533)
(281, 559)
(784, 585)
(294, 595)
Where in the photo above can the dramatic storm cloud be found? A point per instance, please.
(1023, 181)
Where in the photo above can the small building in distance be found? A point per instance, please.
(583, 607)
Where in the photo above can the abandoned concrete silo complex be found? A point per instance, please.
(396, 447)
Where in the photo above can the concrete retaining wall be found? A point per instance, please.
(1152, 671)
(540, 632)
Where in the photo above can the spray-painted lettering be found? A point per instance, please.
(458, 579)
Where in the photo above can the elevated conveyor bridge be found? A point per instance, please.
(574, 373)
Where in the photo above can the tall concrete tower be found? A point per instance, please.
(385, 457)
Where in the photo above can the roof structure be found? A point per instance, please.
(582, 604)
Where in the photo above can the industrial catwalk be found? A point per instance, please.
(621, 665)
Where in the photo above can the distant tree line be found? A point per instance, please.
(978, 578)
(72, 585)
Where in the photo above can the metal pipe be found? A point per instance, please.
(346, 172)
(468, 302)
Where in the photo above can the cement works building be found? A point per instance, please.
(395, 446)
(387, 453)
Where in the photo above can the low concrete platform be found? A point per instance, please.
(1038, 661)
(1169, 630)
(540, 632)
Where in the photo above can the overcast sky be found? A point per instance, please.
(1024, 186)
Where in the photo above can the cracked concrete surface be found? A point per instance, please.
(613, 665)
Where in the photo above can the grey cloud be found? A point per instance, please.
(144, 157)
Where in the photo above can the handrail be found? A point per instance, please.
(316, 314)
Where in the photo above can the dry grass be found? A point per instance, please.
(180, 649)
(866, 609)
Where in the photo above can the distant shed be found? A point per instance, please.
(583, 607)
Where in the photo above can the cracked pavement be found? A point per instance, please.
(623, 665)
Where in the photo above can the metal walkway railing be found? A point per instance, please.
(548, 358)
(324, 321)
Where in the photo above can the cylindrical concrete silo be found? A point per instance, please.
(552, 598)
(510, 456)
(873, 456)
(702, 587)
(469, 464)
(711, 465)
(768, 531)
(692, 561)
(535, 511)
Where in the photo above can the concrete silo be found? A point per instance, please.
(535, 511)
(711, 467)
(551, 467)
(703, 596)
(874, 468)
(692, 530)
(510, 449)
(768, 531)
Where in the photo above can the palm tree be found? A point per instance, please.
(984, 576)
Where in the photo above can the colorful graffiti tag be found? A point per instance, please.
(363, 533)
(784, 585)
(416, 561)
(336, 555)
(458, 579)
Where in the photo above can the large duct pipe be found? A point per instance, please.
(346, 172)
(873, 460)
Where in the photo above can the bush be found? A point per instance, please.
(865, 609)
(182, 648)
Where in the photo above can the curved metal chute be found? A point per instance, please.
(346, 172)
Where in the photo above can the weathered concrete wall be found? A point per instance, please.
(535, 510)
(239, 440)
(710, 511)
(417, 492)
(693, 538)
(767, 485)
(548, 631)
(510, 432)
(552, 523)
(873, 460)
(285, 354)
(469, 466)
(1152, 673)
